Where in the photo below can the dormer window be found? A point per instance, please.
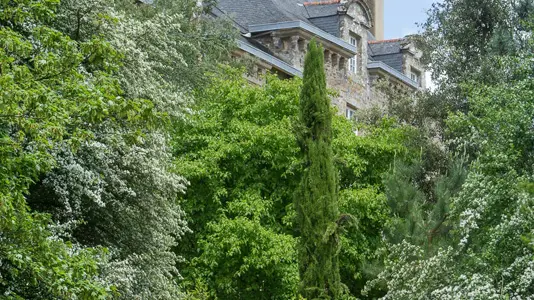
(353, 63)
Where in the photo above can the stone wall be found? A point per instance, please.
(411, 58)
(290, 49)
(355, 90)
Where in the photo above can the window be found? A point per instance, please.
(415, 75)
(350, 114)
(353, 63)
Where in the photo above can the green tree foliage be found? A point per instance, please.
(240, 154)
(85, 139)
(479, 41)
(416, 189)
(362, 162)
(48, 95)
(121, 195)
(318, 219)
(167, 46)
(491, 216)
(483, 204)
(128, 172)
(119, 189)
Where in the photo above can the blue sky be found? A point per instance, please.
(400, 16)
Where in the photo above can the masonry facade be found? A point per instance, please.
(277, 33)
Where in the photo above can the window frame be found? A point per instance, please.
(355, 41)
(350, 113)
(415, 75)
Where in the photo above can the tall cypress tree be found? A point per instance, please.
(316, 198)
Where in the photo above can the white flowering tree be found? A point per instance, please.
(53, 91)
(118, 190)
(121, 195)
(491, 220)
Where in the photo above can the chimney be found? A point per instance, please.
(378, 16)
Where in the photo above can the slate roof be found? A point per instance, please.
(329, 24)
(321, 14)
(305, 9)
(249, 12)
(386, 46)
(388, 52)
(257, 49)
(324, 10)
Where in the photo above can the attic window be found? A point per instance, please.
(415, 75)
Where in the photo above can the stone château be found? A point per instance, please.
(277, 32)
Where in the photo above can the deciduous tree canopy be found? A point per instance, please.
(136, 164)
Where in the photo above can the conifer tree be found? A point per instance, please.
(316, 198)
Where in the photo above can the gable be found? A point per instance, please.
(359, 12)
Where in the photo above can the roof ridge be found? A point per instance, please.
(282, 7)
(327, 2)
(386, 41)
